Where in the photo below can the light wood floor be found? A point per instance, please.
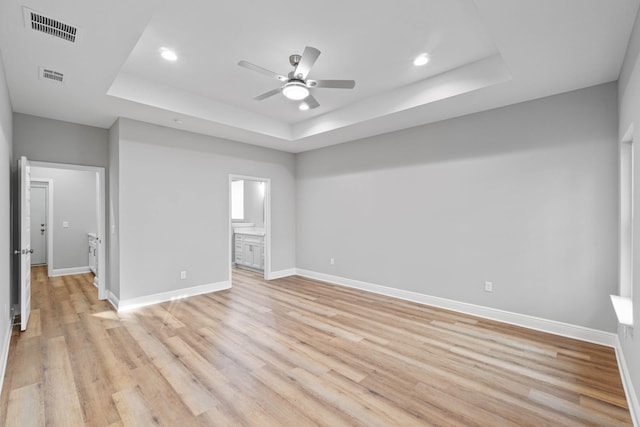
(294, 352)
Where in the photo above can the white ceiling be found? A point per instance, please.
(484, 54)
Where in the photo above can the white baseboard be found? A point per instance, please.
(137, 302)
(4, 357)
(282, 273)
(629, 391)
(114, 300)
(68, 271)
(531, 322)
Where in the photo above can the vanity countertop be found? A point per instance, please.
(253, 231)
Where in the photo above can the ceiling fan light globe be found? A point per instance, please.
(295, 91)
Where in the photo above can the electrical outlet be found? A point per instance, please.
(488, 286)
(332, 261)
(183, 274)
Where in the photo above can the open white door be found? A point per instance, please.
(100, 279)
(25, 242)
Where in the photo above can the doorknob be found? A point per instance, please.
(23, 252)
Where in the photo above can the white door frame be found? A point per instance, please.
(101, 218)
(48, 184)
(267, 223)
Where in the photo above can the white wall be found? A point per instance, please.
(629, 117)
(174, 206)
(74, 201)
(524, 196)
(6, 252)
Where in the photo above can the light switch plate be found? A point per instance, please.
(65, 224)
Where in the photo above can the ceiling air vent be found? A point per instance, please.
(39, 22)
(49, 74)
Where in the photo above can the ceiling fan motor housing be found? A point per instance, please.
(294, 60)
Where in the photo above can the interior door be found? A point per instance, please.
(25, 242)
(38, 224)
(100, 270)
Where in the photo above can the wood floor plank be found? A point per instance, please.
(350, 401)
(114, 370)
(294, 351)
(165, 401)
(134, 409)
(220, 385)
(609, 410)
(181, 379)
(28, 368)
(26, 407)
(92, 383)
(35, 326)
(79, 303)
(571, 409)
(62, 404)
(315, 409)
(126, 348)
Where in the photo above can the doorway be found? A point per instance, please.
(24, 250)
(250, 224)
(41, 197)
(66, 228)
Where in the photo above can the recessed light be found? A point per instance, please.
(421, 59)
(168, 54)
(304, 106)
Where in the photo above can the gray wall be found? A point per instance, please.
(253, 203)
(55, 141)
(174, 206)
(5, 210)
(74, 200)
(524, 196)
(50, 140)
(629, 114)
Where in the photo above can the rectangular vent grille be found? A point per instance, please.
(52, 75)
(53, 27)
(39, 22)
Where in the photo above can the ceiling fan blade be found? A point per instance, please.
(334, 84)
(309, 57)
(268, 94)
(311, 102)
(258, 69)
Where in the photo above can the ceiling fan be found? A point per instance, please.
(296, 85)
